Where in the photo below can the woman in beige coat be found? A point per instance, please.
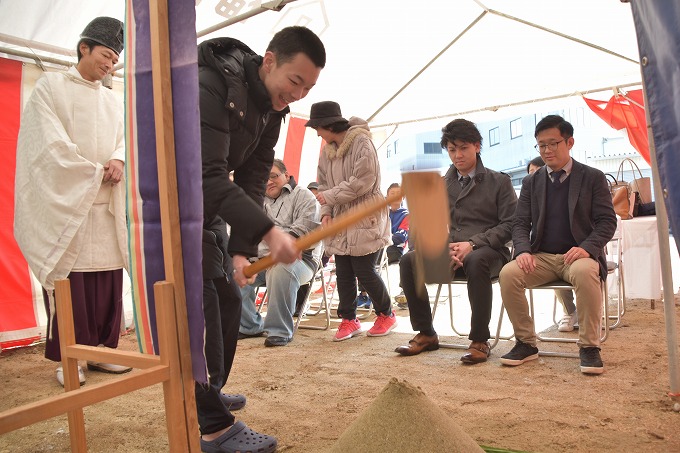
(348, 176)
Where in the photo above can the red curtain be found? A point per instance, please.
(16, 296)
(293, 151)
(625, 111)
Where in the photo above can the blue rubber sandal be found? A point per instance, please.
(240, 439)
(233, 402)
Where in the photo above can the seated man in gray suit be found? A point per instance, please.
(563, 221)
(481, 204)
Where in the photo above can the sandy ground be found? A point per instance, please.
(309, 392)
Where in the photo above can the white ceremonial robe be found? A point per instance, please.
(66, 218)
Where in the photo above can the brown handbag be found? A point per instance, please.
(640, 184)
(623, 198)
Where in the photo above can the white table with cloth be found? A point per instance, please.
(641, 259)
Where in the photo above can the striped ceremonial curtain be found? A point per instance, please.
(294, 139)
(299, 147)
(19, 292)
(146, 248)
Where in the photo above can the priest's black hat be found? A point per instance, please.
(106, 31)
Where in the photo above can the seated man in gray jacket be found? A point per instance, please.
(295, 210)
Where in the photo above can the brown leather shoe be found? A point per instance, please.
(419, 344)
(477, 352)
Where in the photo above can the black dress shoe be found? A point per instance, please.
(233, 402)
(241, 336)
(276, 341)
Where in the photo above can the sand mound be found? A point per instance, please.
(403, 419)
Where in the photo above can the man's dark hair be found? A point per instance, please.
(536, 162)
(278, 163)
(393, 186)
(550, 121)
(290, 41)
(90, 45)
(462, 130)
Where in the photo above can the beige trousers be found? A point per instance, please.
(583, 274)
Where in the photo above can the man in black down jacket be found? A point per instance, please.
(243, 99)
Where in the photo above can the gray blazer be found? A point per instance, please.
(591, 214)
(483, 211)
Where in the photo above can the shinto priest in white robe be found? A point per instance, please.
(66, 218)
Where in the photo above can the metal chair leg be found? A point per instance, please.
(565, 285)
(323, 305)
(497, 335)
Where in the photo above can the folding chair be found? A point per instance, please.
(615, 269)
(323, 304)
(384, 266)
(463, 281)
(560, 285)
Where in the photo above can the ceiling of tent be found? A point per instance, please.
(460, 55)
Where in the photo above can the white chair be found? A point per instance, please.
(615, 270)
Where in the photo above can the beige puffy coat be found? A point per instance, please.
(349, 175)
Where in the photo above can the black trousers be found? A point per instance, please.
(222, 311)
(349, 269)
(479, 267)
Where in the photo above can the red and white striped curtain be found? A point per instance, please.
(19, 324)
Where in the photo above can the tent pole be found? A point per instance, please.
(666, 270)
(557, 33)
(429, 63)
(275, 5)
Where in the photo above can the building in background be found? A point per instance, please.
(508, 145)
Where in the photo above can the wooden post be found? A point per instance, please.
(169, 207)
(67, 337)
(167, 342)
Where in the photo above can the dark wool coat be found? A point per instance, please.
(238, 132)
(483, 211)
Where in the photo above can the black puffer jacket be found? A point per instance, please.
(238, 132)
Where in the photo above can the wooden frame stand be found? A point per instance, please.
(180, 406)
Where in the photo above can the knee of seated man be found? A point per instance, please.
(406, 261)
(509, 272)
(585, 268)
(476, 263)
(281, 269)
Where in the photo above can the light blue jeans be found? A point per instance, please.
(282, 282)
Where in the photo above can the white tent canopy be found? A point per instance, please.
(459, 56)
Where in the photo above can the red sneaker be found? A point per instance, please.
(348, 329)
(383, 325)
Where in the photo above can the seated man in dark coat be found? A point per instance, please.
(482, 203)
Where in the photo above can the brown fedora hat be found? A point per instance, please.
(324, 113)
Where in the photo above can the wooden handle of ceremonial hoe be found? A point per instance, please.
(338, 224)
